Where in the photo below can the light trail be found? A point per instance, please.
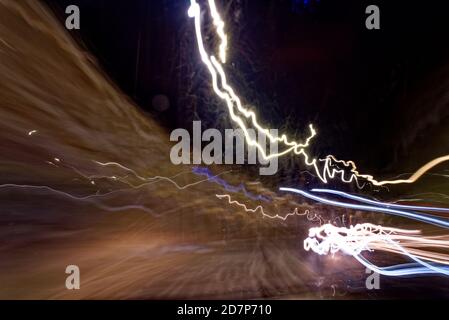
(235, 107)
(418, 174)
(232, 100)
(413, 178)
(365, 238)
(150, 180)
(261, 210)
(94, 197)
(426, 196)
(411, 215)
(219, 25)
(434, 174)
(204, 171)
(378, 203)
(115, 164)
(402, 270)
(353, 241)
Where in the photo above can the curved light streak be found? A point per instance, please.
(418, 174)
(378, 203)
(402, 270)
(232, 100)
(412, 215)
(330, 239)
(413, 178)
(204, 171)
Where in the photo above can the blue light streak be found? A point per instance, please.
(378, 203)
(411, 215)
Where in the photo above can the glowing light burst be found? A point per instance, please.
(353, 241)
(236, 110)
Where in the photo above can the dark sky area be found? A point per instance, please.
(373, 95)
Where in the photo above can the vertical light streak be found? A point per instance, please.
(203, 171)
(219, 25)
(232, 100)
(215, 69)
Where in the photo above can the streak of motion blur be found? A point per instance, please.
(86, 179)
(329, 241)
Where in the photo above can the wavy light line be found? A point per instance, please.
(330, 239)
(260, 208)
(411, 215)
(402, 270)
(233, 101)
(378, 203)
(204, 171)
(413, 178)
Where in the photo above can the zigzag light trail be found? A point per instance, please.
(232, 100)
(381, 238)
(266, 215)
(204, 171)
(154, 179)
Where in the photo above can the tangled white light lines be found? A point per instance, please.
(329, 239)
(232, 100)
(237, 110)
(353, 241)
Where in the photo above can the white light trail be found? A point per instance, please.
(266, 215)
(236, 109)
(353, 241)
